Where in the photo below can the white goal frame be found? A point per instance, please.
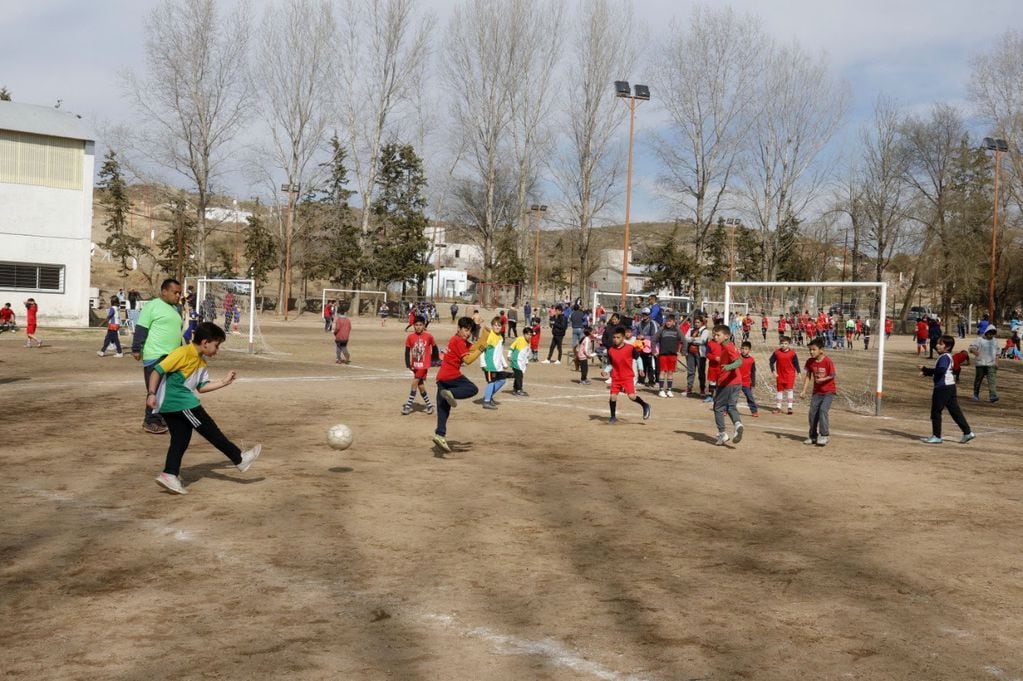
(725, 305)
(200, 295)
(882, 312)
(355, 294)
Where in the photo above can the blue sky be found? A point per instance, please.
(916, 50)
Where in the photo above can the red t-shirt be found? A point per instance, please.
(763, 323)
(819, 368)
(534, 340)
(6, 314)
(783, 366)
(420, 346)
(451, 365)
(713, 360)
(888, 326)
(33, 309)
(781, 325)
(727, 355)
(921, 330)
(621, 362)
(746, 371)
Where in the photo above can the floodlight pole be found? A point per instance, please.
(537, 211)
(997, 145)
(292, 190)
(632, 94)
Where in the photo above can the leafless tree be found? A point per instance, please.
(295, 62)
(802, 106)
(996, 89)
(706, 75)
(587, 168)
(385, 48)
(193, 95)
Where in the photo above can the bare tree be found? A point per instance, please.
(996, 89)
(477, 69)
(802, 107)
(587, 169)
(705, 74)
(193, 95)
(296, 50)
(385, 47)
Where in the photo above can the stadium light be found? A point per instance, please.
(997, 145)
(638, 93)
(537, 211)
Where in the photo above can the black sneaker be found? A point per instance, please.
(646, 412)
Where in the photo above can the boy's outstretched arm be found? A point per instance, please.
(222, 383)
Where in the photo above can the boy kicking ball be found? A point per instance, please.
(172, 394)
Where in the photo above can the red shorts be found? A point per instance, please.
(628, 387)
(420, 373)
(30, 330)
(667, 363)
(786, 383)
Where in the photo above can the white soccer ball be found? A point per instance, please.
(339, 436)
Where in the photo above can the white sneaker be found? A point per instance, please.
(248, 456)
(822, 440)
(171, 482)
(661, 393)
(101, 353)
(722, 439)
(118, 354)
(670, 394)
(607, 381)
(557, 361)
(737, 438)
(546, 361)
(809, 441)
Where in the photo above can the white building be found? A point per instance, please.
(47, 158)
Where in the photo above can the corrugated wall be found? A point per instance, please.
(39, 160)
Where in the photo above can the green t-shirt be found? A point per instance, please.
(164, 324)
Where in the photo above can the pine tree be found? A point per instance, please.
(124, 247)
(670, 265)
(176, 249)
(337, 252)
(399, 245)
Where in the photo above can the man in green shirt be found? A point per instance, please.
(157, 334)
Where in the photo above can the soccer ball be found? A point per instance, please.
(339, 436)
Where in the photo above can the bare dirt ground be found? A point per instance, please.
(549, 546)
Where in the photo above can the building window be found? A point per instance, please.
(19, 276)
(458, 253)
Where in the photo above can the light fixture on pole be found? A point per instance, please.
(634, 94)
(998, 146)
(292, 190)
(537, 210)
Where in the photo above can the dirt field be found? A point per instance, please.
(549, 546)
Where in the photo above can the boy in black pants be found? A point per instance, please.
(944, 395)
(172, 393)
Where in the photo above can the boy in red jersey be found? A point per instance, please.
(748, 374)
(820, 371)
(713, 366)
(782, 327)
(418, 352)
(784, 367)
(6, 317)
(32, 310)
(451, 384)
(726, 394)
(921, 335)
(534, 340)
(764, 323)
(623, 379)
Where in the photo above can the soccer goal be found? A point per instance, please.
(230, 300)
(877, 327)
(369, 301)
(680, 305)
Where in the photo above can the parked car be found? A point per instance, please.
(918, 312)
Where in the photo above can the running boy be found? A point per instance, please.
(726, 394)
(748, 376)
(172, 394)
(451, 384)
(113, 326)
(621, 356)
(418, 353)
(784, 367)
(820, 370)
(520, 353)
(944, 395)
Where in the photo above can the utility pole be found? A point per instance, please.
(292, 190)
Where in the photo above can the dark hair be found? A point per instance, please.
(558, 307)
(208, 331)
(747, 344)
(495, 320)
(785, 339)
(587, 330)
(167, 283)
(948, 341)
(527, 331)
(114, 300)
(466, 323)
(618, 330)
(723, 328)
(419, 320)
(816, 343)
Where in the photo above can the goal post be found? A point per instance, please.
(351, 293)
(239, 285)
(680, 305)
(725, 305)
(883, 313)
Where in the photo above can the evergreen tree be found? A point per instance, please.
(124, 247)
(338, 254)
(260, 249)
(399, 246)
(669, 263)
(177, 248)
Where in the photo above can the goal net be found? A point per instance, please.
(852, 331)
(681, 306)
(231, 304)
(354, 301)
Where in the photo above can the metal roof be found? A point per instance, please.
(43, 120)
